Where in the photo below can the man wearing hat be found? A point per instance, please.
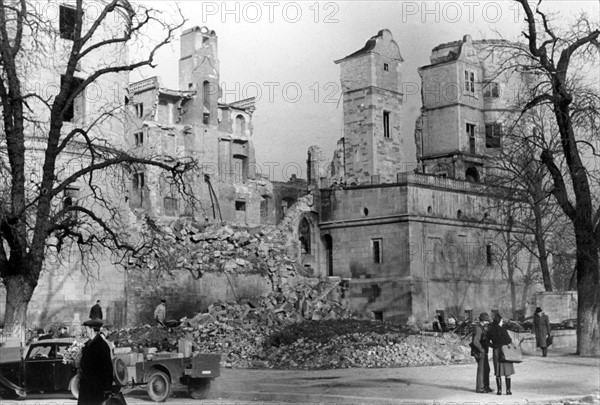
(480, 342)
(63, 332)
(96, 366)
(160, 312)
(541, 328)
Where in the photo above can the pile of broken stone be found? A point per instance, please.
(185, 245)
(298, 326)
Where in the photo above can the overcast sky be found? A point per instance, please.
(284, 52)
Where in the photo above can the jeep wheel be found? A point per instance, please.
(159, 386)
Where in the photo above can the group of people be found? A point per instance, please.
(494, 336)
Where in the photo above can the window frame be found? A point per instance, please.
(377, 250)
(67, 15)
(491, 90)
(387, 134)
(493, 135)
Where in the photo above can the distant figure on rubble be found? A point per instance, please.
(160, 312)
(541, 328)
(96, 311)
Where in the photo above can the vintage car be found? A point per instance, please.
(41, 370)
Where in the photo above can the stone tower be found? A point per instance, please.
(371, 81)
(199, 71)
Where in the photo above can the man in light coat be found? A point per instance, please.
(160, 312)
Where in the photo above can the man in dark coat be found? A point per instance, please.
(96, 366)
(480, 342)
(96, 311)
(541, 328)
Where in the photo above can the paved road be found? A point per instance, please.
(538, 381)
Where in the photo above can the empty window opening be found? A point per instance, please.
(429, 210)
(489, 255)
(74, 109)
(378, 315)
(386, 67)
(139, 109)
(493, 135)
(240, 125)
(386, 124)
(472, 175)
(206, 94)
(471, 136)
(377, 251)
(304, 236)
(366, 211)
(240, 205)
(459, 214)
(139, 138)
(67, 17)
(138, 181)
(206, 119)
(491, 90)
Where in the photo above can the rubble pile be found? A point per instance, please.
(240, 330)
(266, 250)
(364, 343)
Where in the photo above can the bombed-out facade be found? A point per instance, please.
(412, 244)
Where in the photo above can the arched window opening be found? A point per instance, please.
(206, 94)
(304, 236)
(240, 125)
(472, 175)
(328, 242)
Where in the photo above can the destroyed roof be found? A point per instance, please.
(369, 46)
(245, 104)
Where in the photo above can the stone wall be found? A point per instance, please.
(559, 305)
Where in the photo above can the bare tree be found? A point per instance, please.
(561, 62)
(45, 149)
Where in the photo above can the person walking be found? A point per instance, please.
(541, 328)
(160, 312)
(96, 311)
(96, 366)
(498, 337)
(480, 342)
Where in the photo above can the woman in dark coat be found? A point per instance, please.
(541, 328)
(498, 336)
(96, 366)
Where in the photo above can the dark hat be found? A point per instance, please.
(484, 317)
(40, 330)
(163, 300)
(497, 317)
(93, 323)
(538, 310)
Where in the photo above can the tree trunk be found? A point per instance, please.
(19, 291)
(588, 294)
(541, 246)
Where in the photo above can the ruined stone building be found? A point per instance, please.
(408, 244)
(191, 121)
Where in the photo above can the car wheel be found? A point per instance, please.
(199, 389)
(120, 374)
(74, 386)
(159, 386)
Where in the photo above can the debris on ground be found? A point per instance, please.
(297, 328)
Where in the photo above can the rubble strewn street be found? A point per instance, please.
(298, 328)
